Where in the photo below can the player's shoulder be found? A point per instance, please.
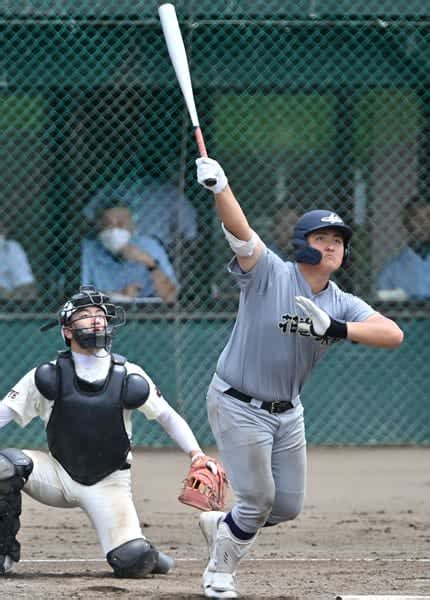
(278, 262)
(349, 301)
(338, 293)
(135, 369)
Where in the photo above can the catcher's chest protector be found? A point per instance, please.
(86, 432)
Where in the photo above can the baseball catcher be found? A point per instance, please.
(85, 398)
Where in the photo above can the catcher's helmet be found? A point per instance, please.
(89, 337)
(313, 221)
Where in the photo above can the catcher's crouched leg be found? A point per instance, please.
(136, 558)
(15, 468)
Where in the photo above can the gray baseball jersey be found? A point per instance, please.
(262, 358)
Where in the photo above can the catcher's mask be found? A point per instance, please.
(313, 221)
(90, 337)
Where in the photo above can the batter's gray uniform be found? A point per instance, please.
(264, 454)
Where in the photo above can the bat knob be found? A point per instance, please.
(210, 182)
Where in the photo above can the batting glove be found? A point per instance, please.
(321, 324)
(210, 175)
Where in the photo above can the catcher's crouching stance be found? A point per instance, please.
(85, 398)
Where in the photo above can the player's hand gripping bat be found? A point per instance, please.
(178, 57)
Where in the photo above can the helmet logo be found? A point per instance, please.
(332, 218)
(67, 310)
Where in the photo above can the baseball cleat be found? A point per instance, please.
(208, 524)
(223, 586)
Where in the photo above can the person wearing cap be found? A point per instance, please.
(289, 315)
(86, 398)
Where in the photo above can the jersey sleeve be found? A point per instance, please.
(356, 309)
(155, 403)
(24, 399)
(259, 277)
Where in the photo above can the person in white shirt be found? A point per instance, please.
(406, 276)
(86, 398)
(16, 276)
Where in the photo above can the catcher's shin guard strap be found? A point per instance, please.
(15, 468)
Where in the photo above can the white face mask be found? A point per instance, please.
(114, 238)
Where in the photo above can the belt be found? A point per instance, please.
(271, 407)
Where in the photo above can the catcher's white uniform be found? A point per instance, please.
(108, 503)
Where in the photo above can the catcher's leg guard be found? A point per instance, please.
(15, 468)
(134, 559)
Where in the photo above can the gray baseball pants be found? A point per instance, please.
(264, 456)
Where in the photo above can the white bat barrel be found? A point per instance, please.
(176, 48)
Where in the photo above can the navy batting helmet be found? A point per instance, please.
(313, 221)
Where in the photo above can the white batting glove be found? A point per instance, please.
(321, 323)
(211, 175)
(320, 319)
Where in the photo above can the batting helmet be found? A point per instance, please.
(313, 221)
(89, 337)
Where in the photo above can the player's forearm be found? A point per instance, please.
(179, 430)
(6, 414)
(376, 331)
(232, 215)
(163, 286)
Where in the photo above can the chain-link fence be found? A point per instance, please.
(306, 104)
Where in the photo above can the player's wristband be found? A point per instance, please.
(154, 266)
(337, 329)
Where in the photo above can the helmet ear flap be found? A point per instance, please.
(307, 254)
(346, 253)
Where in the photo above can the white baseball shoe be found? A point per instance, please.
(223, 586)
(208, 524)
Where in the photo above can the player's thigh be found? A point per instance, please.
(244, 437)
(289, 467)
(110, 508)
(44, 484)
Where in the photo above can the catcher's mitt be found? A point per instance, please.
(205, 485)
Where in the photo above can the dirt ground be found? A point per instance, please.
(365, 530)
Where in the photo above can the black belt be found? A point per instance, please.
(271, 407)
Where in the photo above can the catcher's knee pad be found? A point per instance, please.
(15, 468)
(136, 558)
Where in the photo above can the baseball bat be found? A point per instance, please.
(178, 57)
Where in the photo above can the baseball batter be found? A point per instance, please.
(289, 314)
(86, 398)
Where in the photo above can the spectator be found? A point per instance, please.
(124, 263)
(159, 209)
(407, 275)
(16, 276)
